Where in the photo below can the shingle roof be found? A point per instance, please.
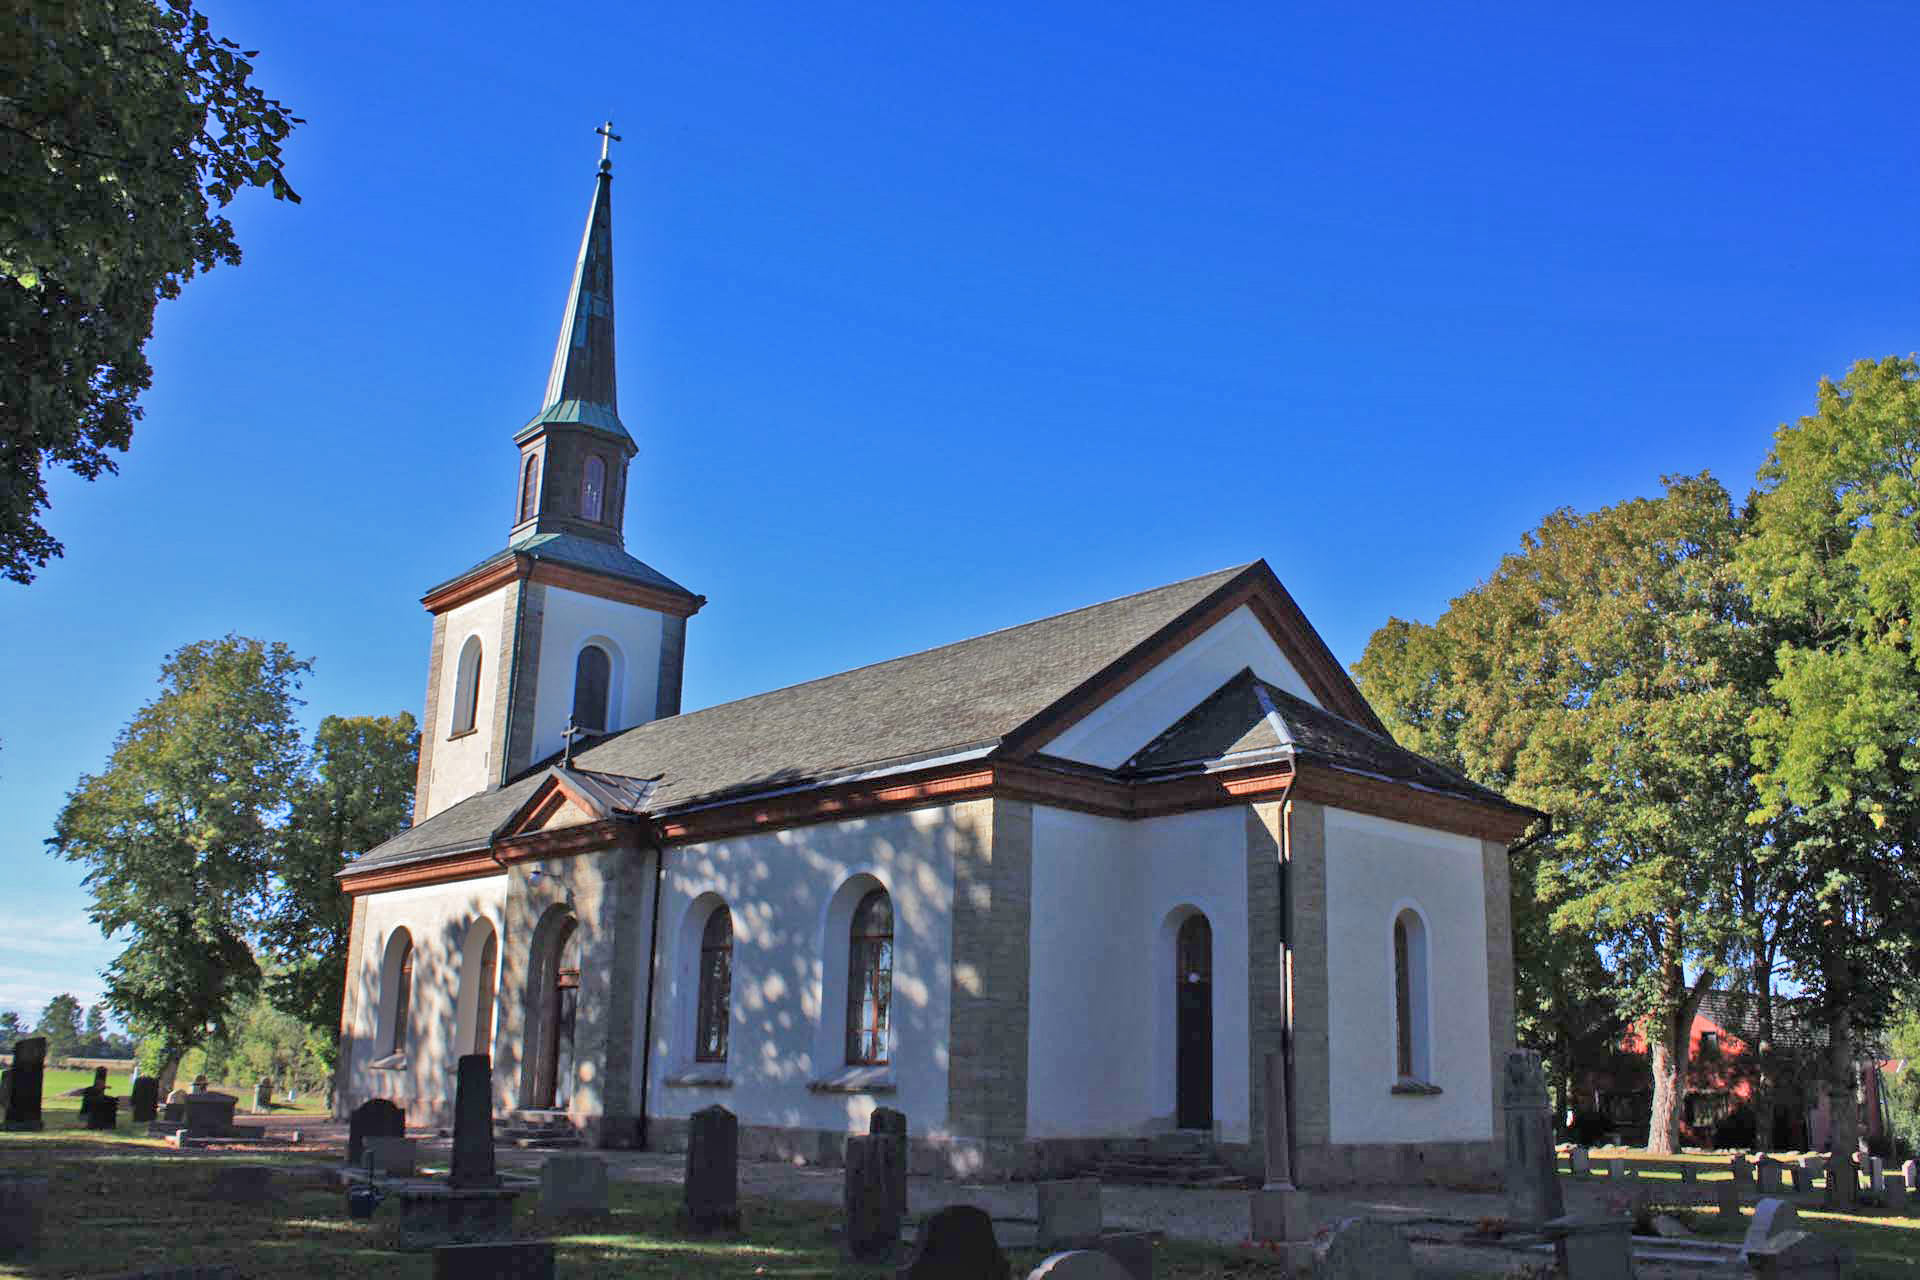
(1247, 715)
(584, 553)
(959, 696)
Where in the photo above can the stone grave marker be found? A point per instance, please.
(23, 1212)
(1592, 1248)
(175, 1110)
(1742, 1171)
(1689, 1174)
(375, 1118)
(1078, 1264)
(1767, 1175)
(1070, 1216)
(1797, 1255)
(957, 1243)
(573, 1185)
(1911, 1172)
(392, 1157)
(1359, 1249)
(145, 1099)
(712, 1189)
(873, 1211)
(102, 1112)
(473, 1124)
(209, 1115)
(494, 1260)
(6, 1087)
(1279, 1210)
(1580, 1162)
(24, 1085)
(1894, 1191)
(1798, 1178)
(263, 1095)
(1532, 1173)
(1876, 1173)
(1770, 1218)
(886, 1122)
(1727, 1195)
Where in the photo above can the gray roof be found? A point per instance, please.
(591, 554)
(966, 695)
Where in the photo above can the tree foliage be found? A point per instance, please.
(356, 793)
(124, 126)
(180, 831)
(60, 1024)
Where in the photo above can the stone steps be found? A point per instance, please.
(1173, 1160)
(538, 1131)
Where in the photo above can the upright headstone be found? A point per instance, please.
(494, 1260)
(1742, 1171)
(375, 1118)
(1359, 1249)
(210, 1115)
(712, 1190)
(1876, 1173)
(1580, 1162)
(573, 1185)
(1894, 1191)
(1770, 1218)
(1911, 1172)
(102, 1111)
(23, 1212)
(873, 1210)
(393, 1157)
(1078, 1264)
(473, 1124)
(1798, 1178)
(957, 1243)
(1279, 1210)
(1727, 1194)
(1532, 1175)
(1592, 1248)
(889, 1123)
(1618, 1168)
(1796, 1255)
(23, 1091)
(1767, 1174)
(1070, 1214)
(263, 1095)
(1689, 1174)
(145, 1099)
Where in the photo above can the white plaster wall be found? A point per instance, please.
(438, 918)
(1140, 712)
(1101, 1040)
(630, 634)
(1375, 868)
(779, 886)
(464, 766)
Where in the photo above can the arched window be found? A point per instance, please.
(530, 486)
(399, 979)
(869, 979)
(483, 997)
(593, 488)
(716, 985)
(1412, 1061)
(591, 675)
(466, 687)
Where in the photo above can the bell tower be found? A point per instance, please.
(563, 624)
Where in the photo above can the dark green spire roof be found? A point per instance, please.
(580, 388)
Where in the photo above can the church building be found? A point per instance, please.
(1051, 892)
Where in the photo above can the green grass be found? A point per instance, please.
(58, 1081)
(1884, 1247)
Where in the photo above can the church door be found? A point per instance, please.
(554, 1074)
(1193, 1034)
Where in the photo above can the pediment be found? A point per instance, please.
(574, 797)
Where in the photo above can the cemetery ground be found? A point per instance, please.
(122, 1202)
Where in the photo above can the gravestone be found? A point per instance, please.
(1767, 1175)
(1894, 1192)
(1532, 1174)
(1070, 1216)
(1770, 1218)
(886, 1122)
(1689, 1174)
(1580, 1162)
(957, 1243)
(103, 1112)
(393, 1157)
(473, 1124)
(200, 1083)
(6, 1087)
(23, 1087)
(23, 1213)
(1911, 1172)
(712, 1189)
(1799, 1179)
(376, 1118)
(1078, 1264)
(494, 1260)
(573, 1185)
(209, 1115)
(1592, 1248)
(1279, 1210)
(1359, 1249)
(1796, 1255)
(145, 1099)
(1742, 1171)
(1727, 1194)
(873, 1210)
(263, 1094)
(1619, 1168)
(1876, 1173)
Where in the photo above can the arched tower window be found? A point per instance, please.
(593, 488)
(530, 487)
(1412, 1056)
(592, 673)
(466, 687)
(716, 987)
(869, 979)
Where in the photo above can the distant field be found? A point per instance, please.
(58, 1081)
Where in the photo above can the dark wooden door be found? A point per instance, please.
(1193, 1032)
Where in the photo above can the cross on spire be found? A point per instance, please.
(607, 138)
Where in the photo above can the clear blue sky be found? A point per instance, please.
(935, 319)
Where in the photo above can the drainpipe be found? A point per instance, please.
(653, 975)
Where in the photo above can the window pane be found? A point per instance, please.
(591, 676)
(529, 486)
(593, 488)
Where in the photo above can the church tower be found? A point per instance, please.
(561, 625)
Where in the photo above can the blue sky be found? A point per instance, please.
(937, 318)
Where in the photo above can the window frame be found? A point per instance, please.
(529, 487)
(870, 957)
(594, 488)
(465, 718)
(606, 687)
(713, 992)
(402, 998)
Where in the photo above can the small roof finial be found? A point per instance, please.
(607, 137)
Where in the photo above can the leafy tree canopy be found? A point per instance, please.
(124, 125)
(60, 1024)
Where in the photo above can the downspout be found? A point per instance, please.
(653, 973)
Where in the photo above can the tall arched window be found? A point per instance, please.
(399, 972)
(593, 488)
(1412, 1058)
(466, 687)
(716, 986)
(869, 979)
(530, 486)
(591, 675)
(483, 998)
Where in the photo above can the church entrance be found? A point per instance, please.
(1193, 1029)
(553, 1072)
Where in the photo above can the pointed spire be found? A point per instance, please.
(580, 387)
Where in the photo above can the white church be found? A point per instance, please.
(1052, 892)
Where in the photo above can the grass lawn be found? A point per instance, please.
(58, 1081)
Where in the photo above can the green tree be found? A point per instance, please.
(1834, 565)
(179, 835)
(356, 793)
(60, 1024)
(124, 124)
(93, 1040)
(11, 1028)
(1603, 674)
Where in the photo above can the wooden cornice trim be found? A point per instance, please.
(470, 865)
(451, 595)
(561, 842)
(1330, 682)
(947, 785)
(588, 583)
(1398, 802)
